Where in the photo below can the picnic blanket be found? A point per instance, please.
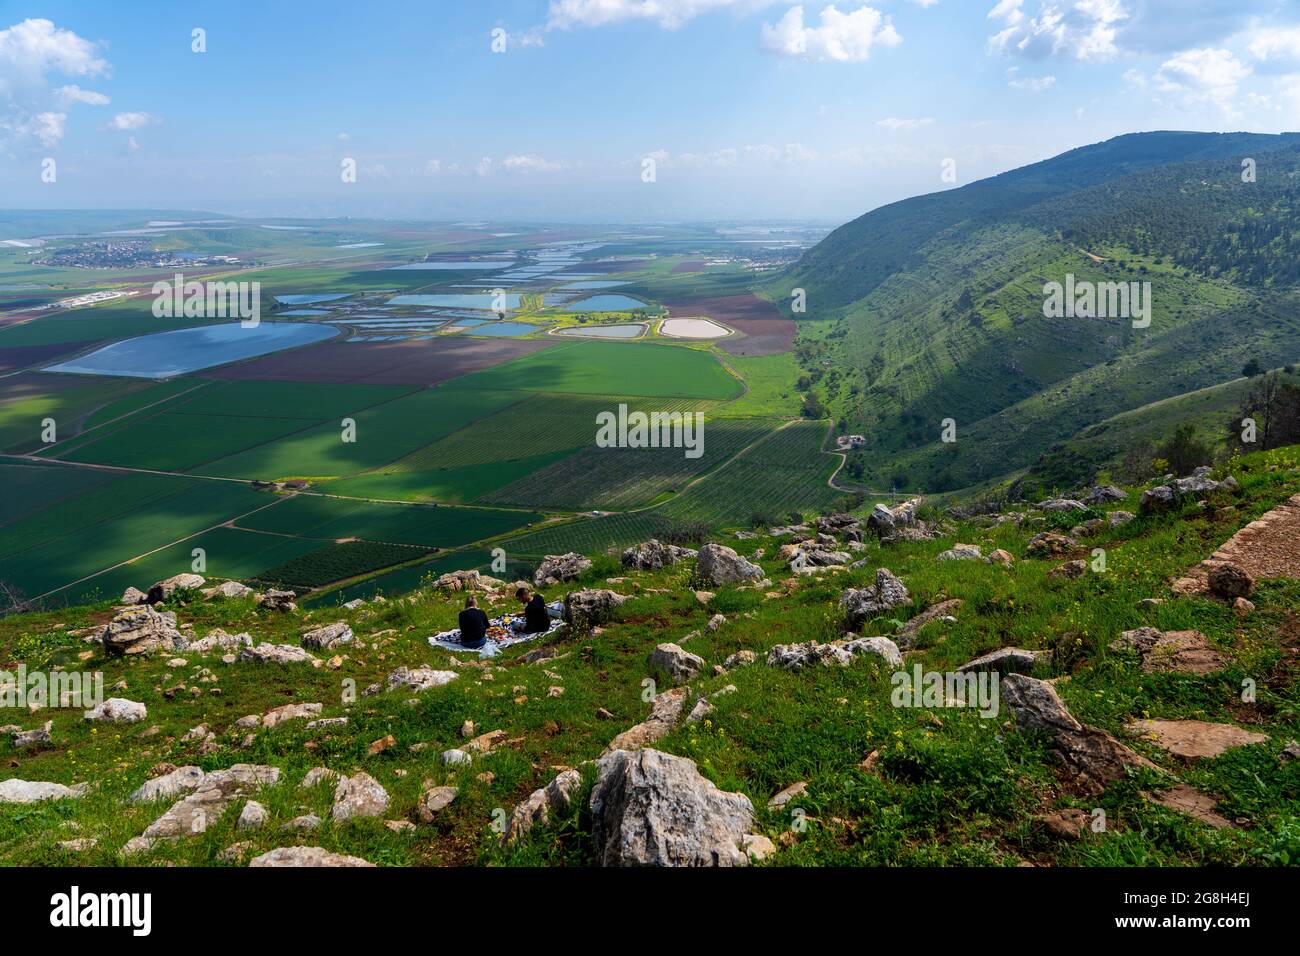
(450, 640)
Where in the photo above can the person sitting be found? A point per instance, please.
(473, 624)
(536, 617)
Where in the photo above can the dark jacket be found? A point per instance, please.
(473, 627)
(536, 617)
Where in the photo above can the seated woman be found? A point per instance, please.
(473, 624)
(536, 616)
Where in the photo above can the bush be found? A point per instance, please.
(1184, 451)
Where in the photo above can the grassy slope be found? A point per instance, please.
(950, 788)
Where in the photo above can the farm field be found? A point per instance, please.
(623, 478)
(27, 399)
(315, 516)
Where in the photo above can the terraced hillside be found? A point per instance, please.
(937, 303)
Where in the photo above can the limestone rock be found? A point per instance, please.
(141, 630)
(717, 565)
(163, 590)
(434, 801)
(1230, 581)
(267, 653)
(557, 568)
(796, 656)
(556, 797)
(1007, 660)
(664, 714)
(655, 809)
(117, 710)
(278, 601)
(588, 608)
(1188, 652)
(328, 637)
(1194, 739)
(653, 555)
(33, 791)
(861, 604)
(680, 665)
(306, 856)
(252, 817)
(359, 796)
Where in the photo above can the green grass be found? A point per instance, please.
(26, 401)
(462, 484)
(337, 562)
(611, 368)
(948, 789)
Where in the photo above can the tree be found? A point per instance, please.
(1184, 451)
(1253, 368)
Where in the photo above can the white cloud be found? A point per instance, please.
(124, 122)
(131, 144)
(433, 167)
(30, 52)
(841, 37)
(484, 166)
(732, 157)
(669, 14)
(1081, 29)
(1202, 77)
(1035, 84)
(70, 94)
(531, 164)
(1275, 43)
(898, 124)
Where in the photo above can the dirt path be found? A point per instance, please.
(1266, 548)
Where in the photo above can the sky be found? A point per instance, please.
(559, 110)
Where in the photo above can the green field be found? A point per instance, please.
(337, 562)
(622, 478)
(313, 516)
(27, 400)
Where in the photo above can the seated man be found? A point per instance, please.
(536, 617)
(473, 624)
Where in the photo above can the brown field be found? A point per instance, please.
(690, 265)
(380, 363)
(766, 330)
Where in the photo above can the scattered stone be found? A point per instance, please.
(358, 796)
(164, 590)
(229, 590)
(717, 564)
(1194, 803)
(1194, 739)
(556, 797)
(1072, 570)
(757, 846)
(961, 552)
(1001, 556)
(278, 601)
(1091, 757)
(80, 845)
(34, 791)
(318, 775)
(306, 856)
(943, 609)
(653, 555)
(133, 596)
(419, 679)
(379, 746)
(1070, 824)
(680, 665)
(266, 653)
(887, 593)
(303, 824)
(588, 608)
(788, 794)
(278, 715)
(1049, 544)
(117, 710)
(716, 622)
(38, 738)
(741, 658)
(454, 757)
(1104, 494)
(796, 656)
(557, 568)
(664, 714)
(654, 809)
(434, 802)
(141, 630)
(702, 709)
(1188, 652)
(1229, 580)
(252, 817)
(1007, 660)
(328, 637)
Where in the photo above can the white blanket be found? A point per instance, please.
(450, 640)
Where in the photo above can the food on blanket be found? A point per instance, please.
(497, 633)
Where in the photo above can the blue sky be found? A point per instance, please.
(750, 108)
